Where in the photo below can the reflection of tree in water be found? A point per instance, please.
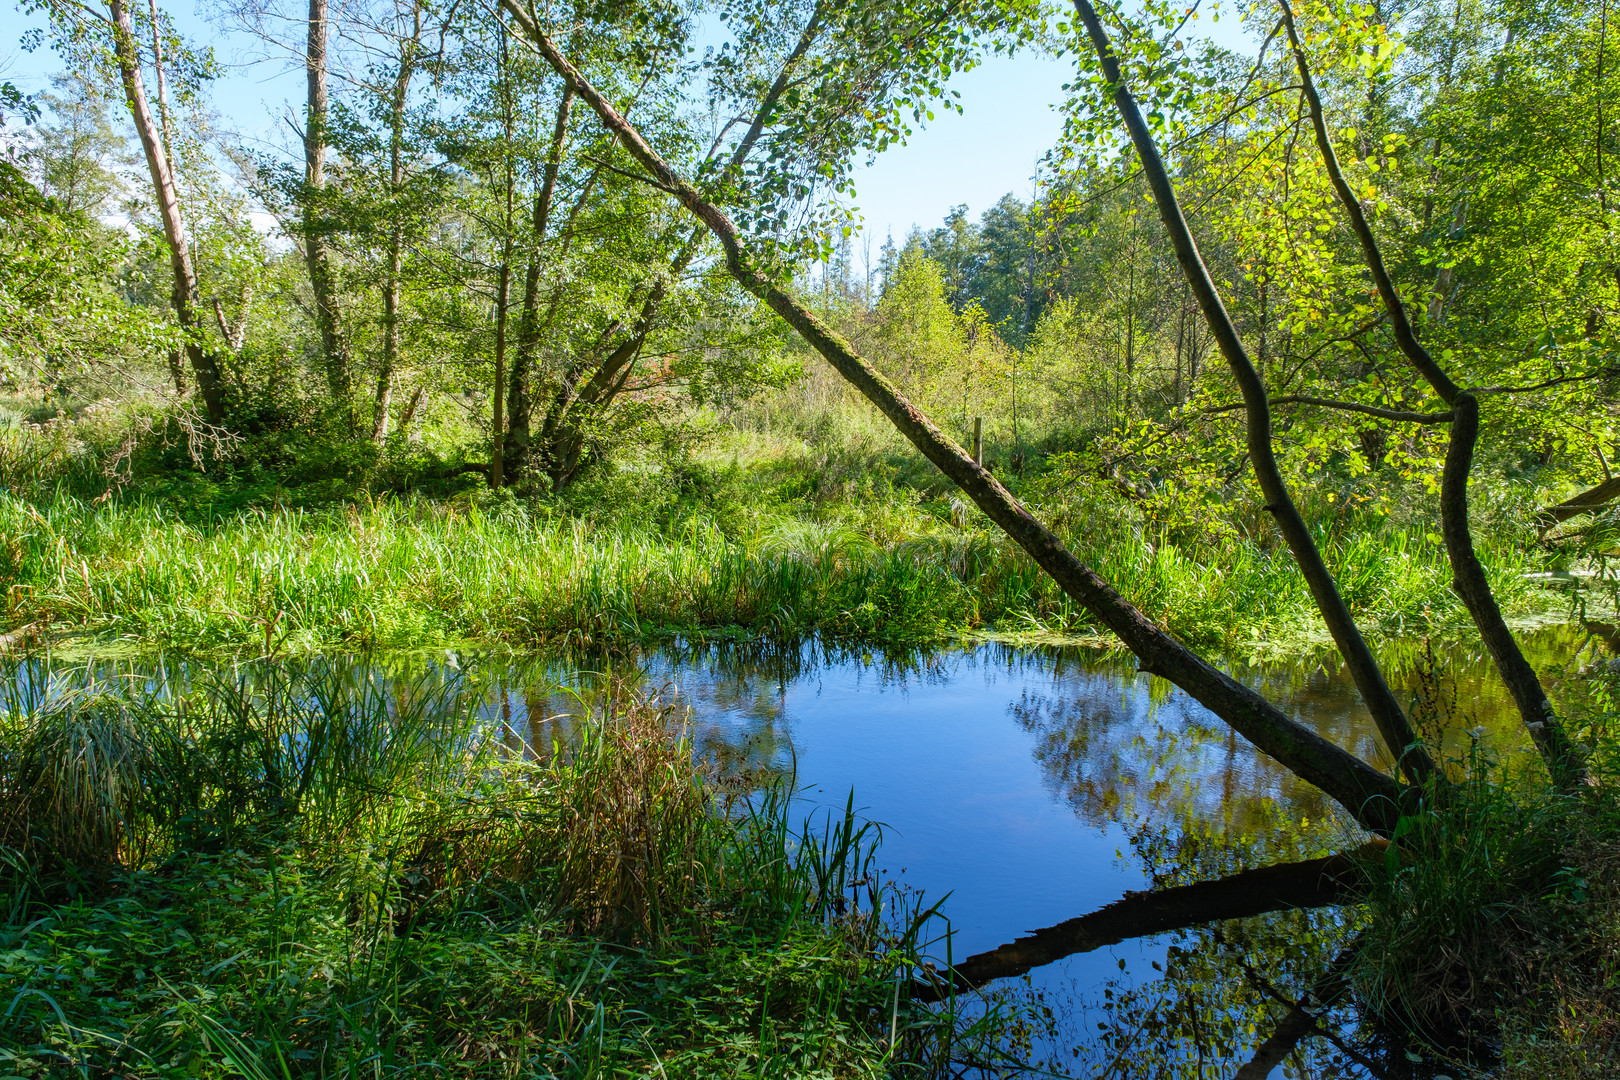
(1233, 1000)
(1221, 992)
(1254, 976)
(1119, 750)
(1115, 745)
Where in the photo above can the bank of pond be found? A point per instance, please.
(400, 574)
(739, 860)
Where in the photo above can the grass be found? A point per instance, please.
(1491, 925)
(294, 870)
(527, 574)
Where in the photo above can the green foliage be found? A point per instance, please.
(315, 872)
(62, 315)
(1497, 910)
(637, 561)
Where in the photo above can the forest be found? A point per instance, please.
(518, 579)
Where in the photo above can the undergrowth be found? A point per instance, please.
(294, 870)
(528, 572)
(1492, 924)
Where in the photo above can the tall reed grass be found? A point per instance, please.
(415, 573)
(312, 869)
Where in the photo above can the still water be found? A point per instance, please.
(1027, 786)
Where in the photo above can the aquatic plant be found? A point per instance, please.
(295, 869)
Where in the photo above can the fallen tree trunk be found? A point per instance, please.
(1593, 498)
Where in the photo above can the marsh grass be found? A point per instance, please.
(312, 869)
(76, 773)
(631, 835)
(408, 574)
(1494, 913)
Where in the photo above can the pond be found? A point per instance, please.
(1025, 786)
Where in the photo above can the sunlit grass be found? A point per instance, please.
(287, 869)
(420, 573)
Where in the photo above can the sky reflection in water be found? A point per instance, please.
(1030, 784)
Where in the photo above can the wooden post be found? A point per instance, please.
(978, 440)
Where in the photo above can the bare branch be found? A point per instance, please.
(1399, 415)
(1606, 373)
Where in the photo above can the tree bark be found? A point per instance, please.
(503, 284)
(497, 400)
(183, 295)
(1469, 580)
(520, 400)
(317, 255)
(1470, 583)
(1399, 738)
(1371, 796)
(1593, 498)
(407, 417)
(383, 398)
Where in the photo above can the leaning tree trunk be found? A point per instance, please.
(1386, 711)
(1371, 796)
(317, 255)
(183, 296)
(1469, 580)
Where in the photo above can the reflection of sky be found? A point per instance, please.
(1010, 780)
(1013, 780)
(956, 785)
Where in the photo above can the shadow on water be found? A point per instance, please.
(1030, 784)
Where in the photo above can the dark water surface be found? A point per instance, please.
(1032, 785)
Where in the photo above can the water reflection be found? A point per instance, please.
(1033, 785)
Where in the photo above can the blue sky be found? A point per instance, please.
(1008, 121)
(974, 158)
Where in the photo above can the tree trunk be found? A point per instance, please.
(561, 445)
(183, 296)
(1588, 501)
(396, 240)
(1399, 738)
(497, 399)
(1372, 797)
(1469, 581)
(317, 257)
(177, 373)
(520, 399)
(562, 439)
(384, 397)
(407, 418)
